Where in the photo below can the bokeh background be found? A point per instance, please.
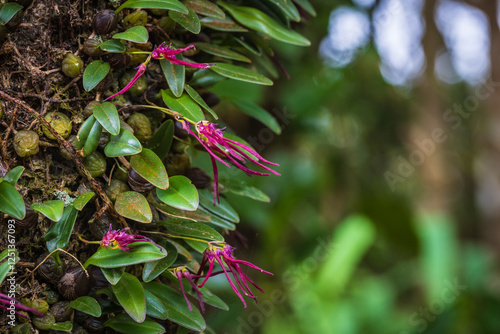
(386, 216)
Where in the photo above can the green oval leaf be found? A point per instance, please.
(137, 34)
(93, 139)
(124, 324)
(170, 211)
(306, 5)
(154, 306)
(83, 133)
(205, 8)
(113, 275)
(87, 305)
(257, 112)
(242, 189)
(153, 269)
(221, 51)
(59, 234)
(66, 326)
(112, 46)
(189, 21)
(241, 74)
(50, 209)
(191, 229)
(107, 115)
(162, 139)
(94, 73)
(82, 200)
(175, 75)
(13, 175)
(7, 266)
(174, 5)
(123, 144)
(181, 194)
(224, 209)
(176, 306)
(8, 11)
(113, 258)
(183, 105)
(11, 201)
(148, 165)
(211, 299)
(288, 8)
(205, 77)
(256, 20)
(133, 205)
(130, 294)
(226, 24)
(198, 99)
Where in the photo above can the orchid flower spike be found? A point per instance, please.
(140, 71)
(224, 257)
(168, 53)
(213, 140)
(121, 239)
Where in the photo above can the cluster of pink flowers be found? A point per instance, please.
(121, 239)
(230, 267)
(213, 140)
(161, 52)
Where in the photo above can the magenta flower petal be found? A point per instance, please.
(140, 71)
(168, 53)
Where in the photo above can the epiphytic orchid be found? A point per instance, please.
(213, 140)
(121, 239)
(183, 273)
(161, 52)
(224, 256)
(168, 53)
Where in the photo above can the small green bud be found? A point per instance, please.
(141, 125)
(72, 65)
(95, 164)
(40, 305)
(59, 122)
(137, 18)
(26, 143)
(91, 47)
(89, 109)
(115, 188)
(44, 323)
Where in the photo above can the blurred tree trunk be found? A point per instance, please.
(435, 196)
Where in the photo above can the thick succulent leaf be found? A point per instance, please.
(130, 294)
(198, 99)
(123, 144)
(153, 269)
(122, 323)
(184, 105)
(221, 51)
(157, 4)
(257, 112)
(50, 209)
(133, 205)
(226, 24)
(137, 34)
(59, 234)
(176, 306)
(181, 194)
(8, 11)
(87, 305)
(175, 75)
(148, 165)
(13, 175)
(162, 139)
(107, 115)
(205, 8)
(241, 74)
(191, 229)
(94, 73)
(189, 21)
(256, 20)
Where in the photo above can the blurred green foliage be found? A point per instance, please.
(350, 255)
